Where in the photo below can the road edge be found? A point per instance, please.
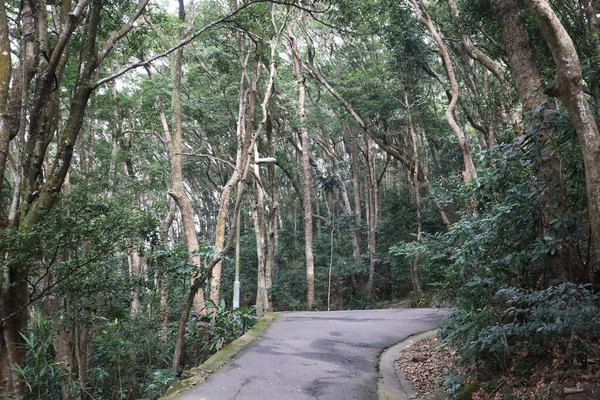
(392, 384)
(197, 375)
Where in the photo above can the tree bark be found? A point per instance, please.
(372, 211)
(258, 217)
(306, 176)
(5, 75)
(417, 193)
(568, 88)
(163, 282)
(496, 70)
(177, 191)
(272, 237)
(470, 173)
(351, 145)
(521, 58)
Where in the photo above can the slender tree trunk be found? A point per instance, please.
(163, 280)
(496, 70)
(306, 176)
(594, 35)
(81, 354)
(5, 75)
(372, 212)
(417, 193)
(331, 240)
(272, 238)
(134, 272)
(232, 182)
(258, 217)
(177, 191)
(8, 381)
(356, 228)
(242, 168)
(470, 172)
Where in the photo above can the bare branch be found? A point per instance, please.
(209, 157)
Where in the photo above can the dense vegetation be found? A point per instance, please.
(354, 152)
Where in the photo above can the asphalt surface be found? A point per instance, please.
(316, 355)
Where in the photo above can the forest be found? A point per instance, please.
(318, 155)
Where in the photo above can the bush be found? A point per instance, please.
(225, 325)
(522, 326)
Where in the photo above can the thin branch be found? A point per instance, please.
(118, 35)
(207, 156)
(177, 46)
(385, 166)
(186, 41)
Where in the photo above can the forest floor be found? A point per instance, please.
(427, 365)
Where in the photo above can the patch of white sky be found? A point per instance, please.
(171, 6)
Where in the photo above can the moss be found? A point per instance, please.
(467, 391)
(197, 375)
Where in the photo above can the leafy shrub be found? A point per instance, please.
(521, 326)
(41, 373)
(225, 325)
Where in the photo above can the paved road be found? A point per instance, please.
(316, 355)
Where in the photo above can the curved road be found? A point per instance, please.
(316, 355)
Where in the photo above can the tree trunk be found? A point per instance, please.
(417, 193)
(372, 211)
(258, 217)
(241, 163)
(272, 238)
(593, 34)
(351, 145)
(521, 58)
(306, 176)
(177, 191)
(568, 88)
(476, 54)
(470, 172)
(134, 273)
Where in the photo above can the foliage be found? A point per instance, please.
(224, 325)
(522, 326)
(42, 373)
(504, 267)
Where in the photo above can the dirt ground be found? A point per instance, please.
(425, 365)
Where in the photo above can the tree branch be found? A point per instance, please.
(118, 35)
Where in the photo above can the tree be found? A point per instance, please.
(306, 173)
(38, 194)
(568, 88)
